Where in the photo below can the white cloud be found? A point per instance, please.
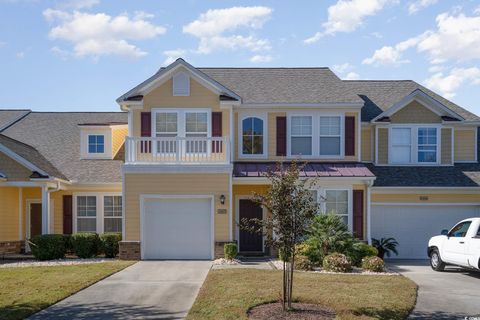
(62, 54)
(351, 76)
(98, 34)
(447, 84)
(418, 5)
(388, 55)
(78, 4)
(345, 71)
(347, 15)
(261, 58)
(20, 55)
(342, 68)
(219, 29)
(172, 55)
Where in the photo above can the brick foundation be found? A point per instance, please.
(9, 247)
(219, 253)
(129, 250)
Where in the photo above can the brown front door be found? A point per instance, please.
(250, 242)
(35, 219)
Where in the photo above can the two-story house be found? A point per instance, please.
(392, 158)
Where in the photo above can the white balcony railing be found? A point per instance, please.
(177, 150)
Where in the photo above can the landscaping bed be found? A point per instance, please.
(232, 293)
(27, 290)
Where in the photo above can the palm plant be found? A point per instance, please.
(385, 246)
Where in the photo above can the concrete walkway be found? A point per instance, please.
(146, 290)
(453, 294)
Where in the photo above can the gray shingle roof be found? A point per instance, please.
(379, 95)
(9, 116)
(57, 137)
(284, 85)
(32, 155)
(459, 175)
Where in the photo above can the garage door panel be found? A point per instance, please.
(413, 225)
(177, 229)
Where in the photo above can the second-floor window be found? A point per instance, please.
(301, 135)
(413, 144)
(96, 143)
(252, 136)
(427, 145)
(330, 136)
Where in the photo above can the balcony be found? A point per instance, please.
(177, 150)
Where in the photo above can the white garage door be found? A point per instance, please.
(178, 228)
(412, 226)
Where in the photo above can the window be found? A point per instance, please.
(330, 136)
(460, 230)
(427, 145)
(112, 213)
(166, 126)
(301, 135)
(86, 214)
(181, 84)
(401, 145)
(252, 136)
(336, 201)
(96, 144)
(196, 125)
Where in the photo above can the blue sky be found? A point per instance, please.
(80, 55)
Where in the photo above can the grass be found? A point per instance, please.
(26, 290)
(230, 293)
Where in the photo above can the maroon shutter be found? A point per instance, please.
(145, 131)
(358, 214)
(349, 136)
(67, 214)
(281, 136)
(217, 131)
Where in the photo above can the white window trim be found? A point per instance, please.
(414, 144)
(107, 142)
(262, 116)
(321, 200)
(316, 134)
(187, 93)
(290, 135)
(181, 119)
(100, 208)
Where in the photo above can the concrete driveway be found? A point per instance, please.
(146, 290)
(453, 294)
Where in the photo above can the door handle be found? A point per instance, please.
(462, 242)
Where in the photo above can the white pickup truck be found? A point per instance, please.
(460, 246)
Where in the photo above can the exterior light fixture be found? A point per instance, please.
(222, 199)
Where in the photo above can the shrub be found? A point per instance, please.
(337, 262)
(230, 251)
(67, 239)
(327, 234)
(110, 242)
(359, 251)
(86, 244)
(48, 246)
(373, 263)
(303, 263)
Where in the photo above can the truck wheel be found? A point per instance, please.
(435, 261)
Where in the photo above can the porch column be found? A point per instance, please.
(369, 216)
(45, 210)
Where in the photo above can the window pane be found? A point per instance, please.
(257, 145)
(301, 146)
(301, 126)
(257, 126)
(247, 126)
(100, 139)
(196, 122)
(91, 139)
(247, 144)
(329, 146)
(252, 132)
(86, 225)
(166, 122)
(112, 225)
(329, 126)
(401, 154)
(401, 136)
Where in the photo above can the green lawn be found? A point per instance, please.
(228, 294)
(26, 290)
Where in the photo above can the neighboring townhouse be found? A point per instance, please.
(392, 158)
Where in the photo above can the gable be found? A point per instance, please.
(415, 112)
(13, 170)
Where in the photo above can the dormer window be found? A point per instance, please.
(181, 84)
(96, 143)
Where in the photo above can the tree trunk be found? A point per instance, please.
(290, 291)
(284, 296)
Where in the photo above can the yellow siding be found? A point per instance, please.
(235, 136)
(446, 146)
(464, 145)
(415, 112)
(171, 184)
(382, 146)
(431, 198)
(118, 138)
(13, 170)
(272, 134)
(367, 144)
(9, 219)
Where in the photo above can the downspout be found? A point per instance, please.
(47, 205)
(369, 215)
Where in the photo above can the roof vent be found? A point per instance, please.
(181, 84)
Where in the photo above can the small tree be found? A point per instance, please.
(292, 209)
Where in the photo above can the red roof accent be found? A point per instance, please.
(310, 170)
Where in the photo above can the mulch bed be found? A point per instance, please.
(302, 311)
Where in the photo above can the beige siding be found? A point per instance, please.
(415, 112)
(464, 145)
(425, 197)
(235, 136)
(13, 170)
(272, 134)
(382, 146)
(446, 146)
(174, 184)
(118, 138)
(367, 144)
(9, 213)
